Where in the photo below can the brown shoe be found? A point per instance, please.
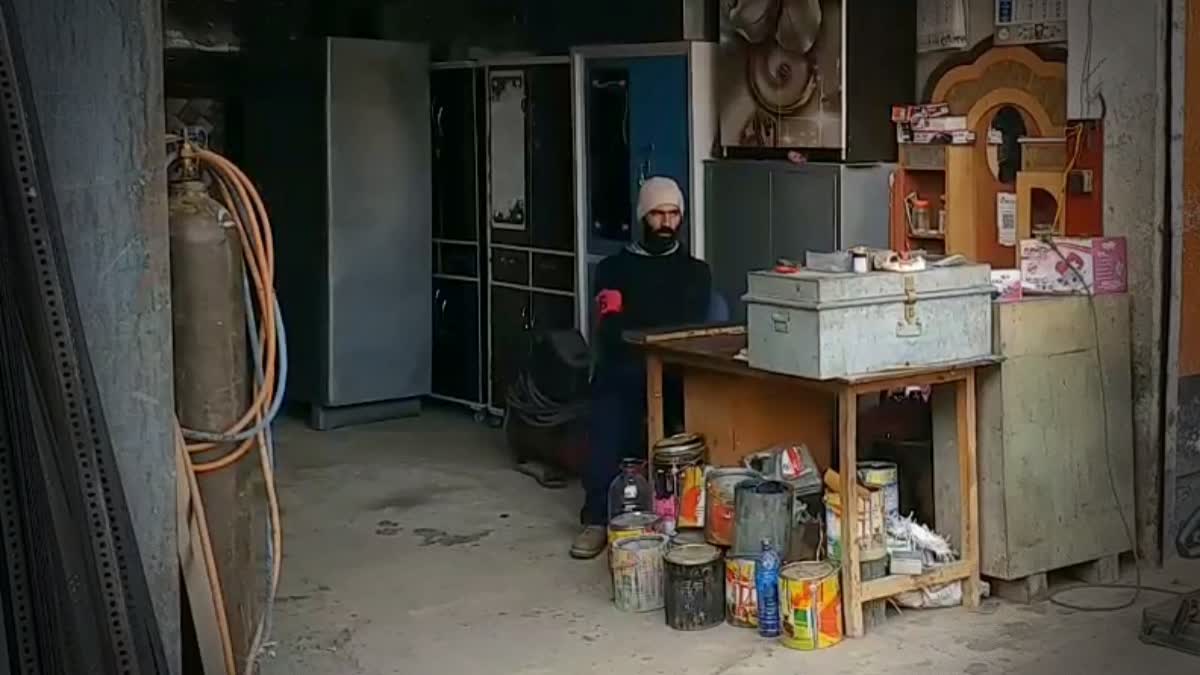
(590, 542)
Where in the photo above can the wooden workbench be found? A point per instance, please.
(705, 359)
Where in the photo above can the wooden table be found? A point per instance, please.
(706, 351)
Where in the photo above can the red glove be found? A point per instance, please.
(608, 302)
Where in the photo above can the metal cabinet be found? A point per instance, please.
(504, 236)
(759, 211)
(338, 139)
(457, 347)
(459, 368)
(530, 221)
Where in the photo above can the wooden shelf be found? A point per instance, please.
(926, 234)
(886, 587)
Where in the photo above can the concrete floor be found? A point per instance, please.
(412, 547)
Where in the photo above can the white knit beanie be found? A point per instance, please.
(658, 191)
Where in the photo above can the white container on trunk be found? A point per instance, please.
(827, 325)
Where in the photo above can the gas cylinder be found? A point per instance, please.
(208, 309)
(212, 381)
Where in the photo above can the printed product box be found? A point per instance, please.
(1099, 261)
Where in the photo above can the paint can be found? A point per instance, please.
(883, 476)
(810, 605)
(741, 593)
(870, 530)
(694, 588)
(628, 525)
(637, 572)
(720, 506)
(763, 511)
(679, 480)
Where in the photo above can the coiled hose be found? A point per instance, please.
(252, 432)
(536, 409)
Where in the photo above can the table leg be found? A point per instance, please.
(851, 555)
(654, 404)
(969, 484)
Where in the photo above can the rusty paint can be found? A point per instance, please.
(883, 476)
(637, 572)
(719, 513)
(694, 587)
(741, 594)
(628, 525)
(810, 605)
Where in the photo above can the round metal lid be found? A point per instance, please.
(679, 446)
(686, 537)
(805, 571)
(644, 543)
(693, 554)
(632, 521)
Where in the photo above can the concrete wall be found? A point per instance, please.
(95, 69)
(1128, 74)
(1181, 465)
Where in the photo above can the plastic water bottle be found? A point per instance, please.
(766, 582)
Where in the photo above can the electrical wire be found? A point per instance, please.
(1060, 211)
(1138, 586)
(268, 346)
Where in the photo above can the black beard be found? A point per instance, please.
(656, 243)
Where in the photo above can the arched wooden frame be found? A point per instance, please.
(1037, 89)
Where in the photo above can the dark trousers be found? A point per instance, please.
(616, 431)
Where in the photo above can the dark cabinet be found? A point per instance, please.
(504, 220)
(551, 165)
(759, 211)
(457, 166)
(530, 217)
(510, 338)
(457, 128)
(517, 315)
(529, 155)
(457, 350)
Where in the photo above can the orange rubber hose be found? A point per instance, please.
(238, 195)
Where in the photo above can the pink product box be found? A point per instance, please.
(1007, 285)
(1100, 261)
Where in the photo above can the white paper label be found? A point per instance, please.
(1006, 218)
(941, 24)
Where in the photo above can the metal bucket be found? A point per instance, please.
(810, 605)
(719, 509)
(695, 587)
(637, 572)
(763, 511)
(741, 593)
(629, 525)
(883, 476)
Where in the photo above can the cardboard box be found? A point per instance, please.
(1101, 262)
(905, 113)
(960, 137)
(1006, 285)
(947, 123)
